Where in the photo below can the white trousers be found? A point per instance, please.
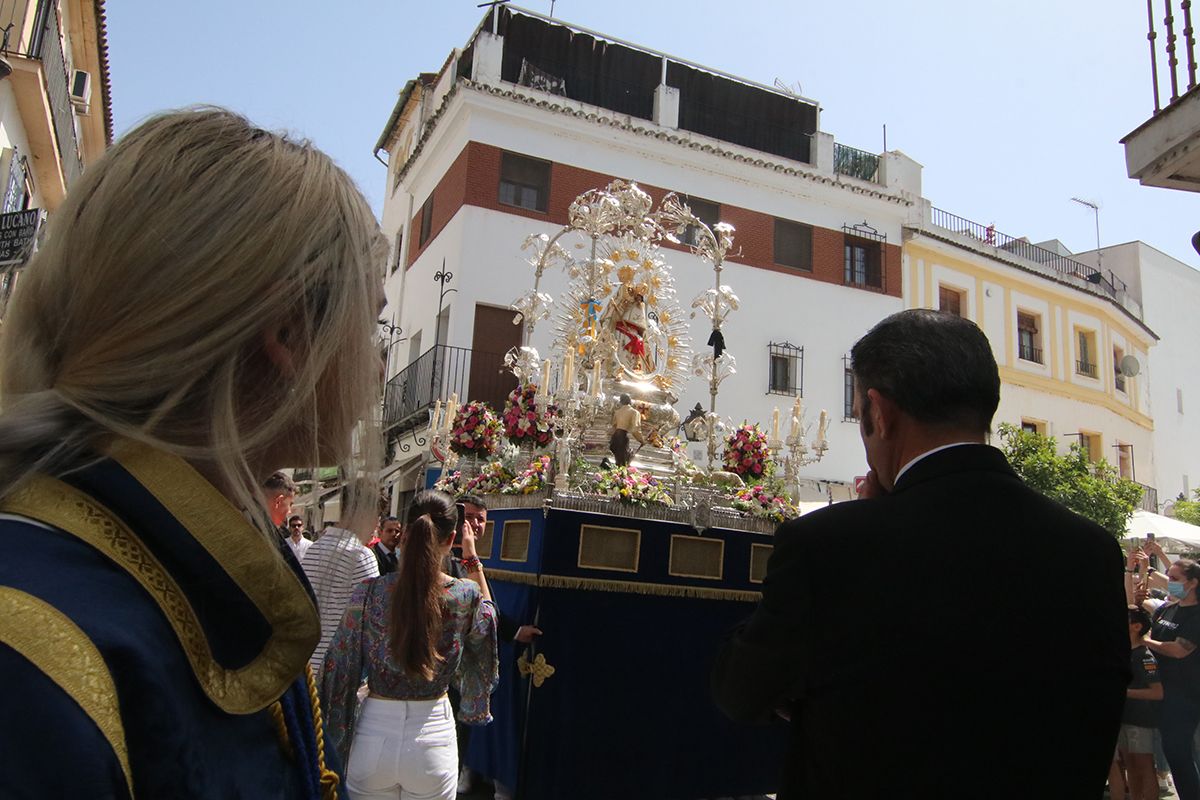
(403, 749)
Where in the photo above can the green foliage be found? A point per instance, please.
(1093, 490)
(1188, 510)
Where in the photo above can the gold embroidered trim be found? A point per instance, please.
(56, 646)
(626, 587)
(241, 691)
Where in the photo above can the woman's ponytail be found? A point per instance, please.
(416, 601)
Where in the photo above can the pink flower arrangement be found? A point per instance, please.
(490, 480)
(523, 423)
(476, 430)
(747, 454)
(532, 479)
(629, 485)
(760, 501)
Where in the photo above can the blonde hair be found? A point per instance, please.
(143, 313)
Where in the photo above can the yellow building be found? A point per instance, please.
(55, 111)
(1069, 339)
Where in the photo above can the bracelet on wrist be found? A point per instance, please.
(472, 564)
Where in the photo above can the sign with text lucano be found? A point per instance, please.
(17, 233)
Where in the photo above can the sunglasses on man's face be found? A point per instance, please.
(296, 525)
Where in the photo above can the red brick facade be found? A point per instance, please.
(474, 179)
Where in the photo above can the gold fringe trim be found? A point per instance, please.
(509, 576)
(625, 587)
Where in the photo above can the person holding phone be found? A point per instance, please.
(1174, 636)
(413, 633)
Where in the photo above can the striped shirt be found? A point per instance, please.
(335, 564)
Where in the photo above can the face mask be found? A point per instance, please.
(1176, 589)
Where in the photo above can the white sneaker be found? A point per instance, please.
(464, 780)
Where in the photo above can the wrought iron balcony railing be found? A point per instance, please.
(1171, 48)
(855, 163)
(440, 371)
(1086, 368)
(1030, 353)
(45, 45)
(1106, 281)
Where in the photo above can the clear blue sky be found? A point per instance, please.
(1012, 107)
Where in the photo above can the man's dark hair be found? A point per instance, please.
(1138, 616)
(388, 519)
(294, 517)
(936, 367)
(624, 400)
(474, 500)
(279, 483)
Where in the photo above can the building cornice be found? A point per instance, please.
(609, 119)
(105, 82)
(1000, 255)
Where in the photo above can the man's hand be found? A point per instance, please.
(871, 487)
(469, 532)
(525, 633)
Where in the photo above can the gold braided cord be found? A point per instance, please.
(329, 778)
(285, 741)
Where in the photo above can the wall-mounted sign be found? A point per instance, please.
(17, 233)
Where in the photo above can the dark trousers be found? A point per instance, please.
(1180, 717)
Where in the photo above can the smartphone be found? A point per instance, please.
(1149, 537)
(458, 525)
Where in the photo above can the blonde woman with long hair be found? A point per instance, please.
(411, 634)
(201, 312)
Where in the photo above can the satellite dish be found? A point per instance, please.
(1130, 366)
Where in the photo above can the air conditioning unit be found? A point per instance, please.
(81, 91)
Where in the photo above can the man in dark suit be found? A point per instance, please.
(385, 548)
(957, 658)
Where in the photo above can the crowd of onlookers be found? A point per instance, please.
(450, 662)
(1159, 730)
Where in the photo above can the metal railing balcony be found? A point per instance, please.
(437, 373)
(1171, 48)
(855, 163)
(45, 45)
(1149, 498)
(1106, 281)
(1030, 353)
(1086, 368)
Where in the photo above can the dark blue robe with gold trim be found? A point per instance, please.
(147, 632)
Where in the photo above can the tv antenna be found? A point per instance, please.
(1095, 207)
(795, 89)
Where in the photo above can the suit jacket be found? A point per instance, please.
(977, 647)
(387, 565)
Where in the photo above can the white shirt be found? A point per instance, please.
(300, 547)
(335, 564)
(905, 468)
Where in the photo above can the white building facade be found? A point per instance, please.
(478, 161)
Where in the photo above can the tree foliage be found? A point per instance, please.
(1188, 510)
(1094, 490)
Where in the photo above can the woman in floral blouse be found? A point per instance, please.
(409, 634)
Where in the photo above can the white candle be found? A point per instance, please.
(775, 425)
(544, 389)
(569, 373)
(823, 426)
(795, 431)
(596, 378)
(451, 412)
(798, 409)
(437, 415)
